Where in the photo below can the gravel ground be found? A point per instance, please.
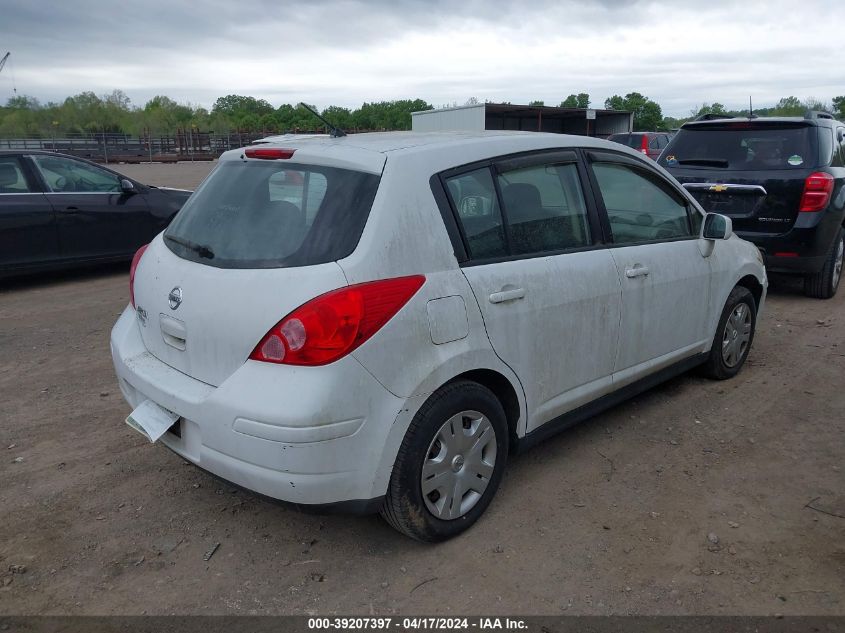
(697, 497)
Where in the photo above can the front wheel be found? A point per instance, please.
(733, 336)
(450, 463)
(823, 284)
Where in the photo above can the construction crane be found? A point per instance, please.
(3, 63)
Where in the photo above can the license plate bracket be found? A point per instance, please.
(151, 420)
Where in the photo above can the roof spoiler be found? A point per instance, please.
(710, 116)
(817, 114)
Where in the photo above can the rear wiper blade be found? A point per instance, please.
(710, 162)
(199, 249)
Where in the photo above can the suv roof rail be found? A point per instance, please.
(710, 116)
(817, 114)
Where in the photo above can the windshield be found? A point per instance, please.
(743, 147)
(269, 214)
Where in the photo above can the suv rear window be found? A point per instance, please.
(743, 147)
(267, 214)
(631, 140)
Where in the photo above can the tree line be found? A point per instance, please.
(648, 115)
(89, 113)
(86, 112)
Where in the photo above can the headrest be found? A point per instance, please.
(8, 174)
(521, 196)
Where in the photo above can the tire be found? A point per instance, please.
(823, 284)
(444, 438)
(734, 336)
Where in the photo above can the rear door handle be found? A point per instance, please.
(507, 295)
(637, 271)
(71, 209)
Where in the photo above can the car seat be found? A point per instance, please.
(534, 228)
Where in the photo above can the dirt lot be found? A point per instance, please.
(611, 517)
(182, 175)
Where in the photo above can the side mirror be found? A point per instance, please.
(127, 186)
(717, 227)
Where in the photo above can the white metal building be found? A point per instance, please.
(505, 116)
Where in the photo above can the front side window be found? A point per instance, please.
(639, 207)
(268, 214)
(545, 208)
(64, 175)
(474, 198)
(12, 179)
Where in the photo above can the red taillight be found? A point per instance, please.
(786, 254)
(332, 325)
(268, 153)
(644, 145)
(135, 259)
(817, 190)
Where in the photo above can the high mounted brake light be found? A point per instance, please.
(334, 324)
(268, 153)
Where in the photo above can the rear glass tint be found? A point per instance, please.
(268, 214)
(743, 147)
(631, 140)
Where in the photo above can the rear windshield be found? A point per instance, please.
(631, 140)
(269, 214)
(743, 147)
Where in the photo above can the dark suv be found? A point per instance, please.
(648, 143)
(781, 180)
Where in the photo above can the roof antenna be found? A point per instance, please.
(336, 132)
(750, 108)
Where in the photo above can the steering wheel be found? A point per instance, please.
(668, 228)
(63, 184)
(87, 185)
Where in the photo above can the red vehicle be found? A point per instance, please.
(649, 143)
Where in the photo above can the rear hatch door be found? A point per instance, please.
(258, 239)
(752, 172)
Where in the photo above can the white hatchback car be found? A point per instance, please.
(375, 322)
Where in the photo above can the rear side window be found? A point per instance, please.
(838, 147)
(631, 140)
(639, 207)
(545, 209)
(12, 179)
(475, 200)
(743, 147)
(269, 214)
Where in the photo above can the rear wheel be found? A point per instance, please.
(733, 336)
(450, 463)
(824, 283)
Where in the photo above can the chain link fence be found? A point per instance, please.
(184, 145)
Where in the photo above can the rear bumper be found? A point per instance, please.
(802, 249)
(310, 436)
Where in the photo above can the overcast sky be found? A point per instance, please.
(345, 52)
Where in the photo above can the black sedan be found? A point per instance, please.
(58, 211)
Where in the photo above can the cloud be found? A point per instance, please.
(345, 52)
